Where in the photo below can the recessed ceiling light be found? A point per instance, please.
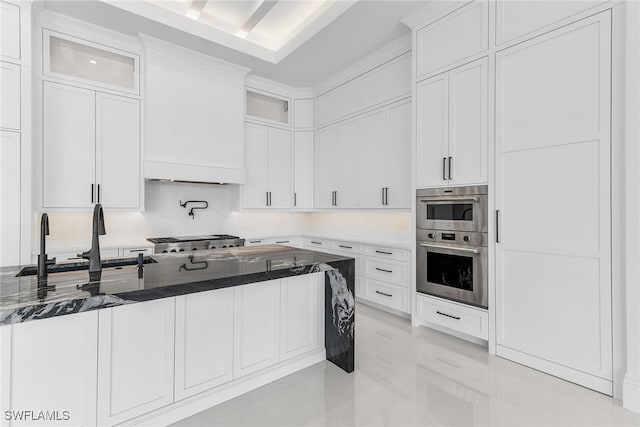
(93, 61)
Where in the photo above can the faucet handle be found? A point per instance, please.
(51, 261)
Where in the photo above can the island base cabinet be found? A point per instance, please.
(49, 371)
(135, 360)
(204, 341)
(301, 314)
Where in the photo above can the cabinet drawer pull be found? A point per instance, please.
(255, 241)
(382, 269)
(315, 243)
(447, 315)
(138, 250)
(283, 241)
(385, 253)
(382, 293)
(345, 246)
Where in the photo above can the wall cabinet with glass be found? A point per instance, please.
(91, 148)
(267, 108)
(72, 58)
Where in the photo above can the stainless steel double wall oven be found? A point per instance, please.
(452, 243)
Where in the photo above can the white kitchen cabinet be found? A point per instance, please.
(135, 359)
(335, 104)
(50, 365)
(453, 38)
(516, 19)
(303, 170)
(10, 208)
(99, 135)
(372, 159)
(335, 168)
(268, 163)
(301, 314)
(257, 327)
(265, 107)
(68, 140)
(553, 261)
(10, 100)
(204, 341)
(118, 151)
(10, 28)
(452, 127)
(457, 317)
(385, 83)
(398, 185)
(303, 113)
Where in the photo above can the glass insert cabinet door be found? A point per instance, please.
(71, 58)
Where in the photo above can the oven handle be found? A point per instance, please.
(453, 248)
(450, 199)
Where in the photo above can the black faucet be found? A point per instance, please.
(93, 254)
(43, 260)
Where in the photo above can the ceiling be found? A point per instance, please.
(360, 29)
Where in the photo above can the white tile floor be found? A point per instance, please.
(417, 377)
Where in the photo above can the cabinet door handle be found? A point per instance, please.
(444, 168)
(295, 199)
(335, 198)
(386, 196)
(315, 243)
(283, 241)
(382, 293)
(266, 203)
(98, 193)
(92, 193)
(382, 196)
(497, 225)
(383, 252)
(450, 167)
(448, 315)
(345, 246)
(255, 241)
(382, 269)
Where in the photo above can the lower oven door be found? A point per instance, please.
(456, 272)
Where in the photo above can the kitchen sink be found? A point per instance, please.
(78, 266)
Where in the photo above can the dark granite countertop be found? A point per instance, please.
(173, 274)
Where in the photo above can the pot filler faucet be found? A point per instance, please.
(93, 254)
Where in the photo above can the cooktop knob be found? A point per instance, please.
(212, 247)
(181, 250)
(431, 235)
(173, 250)
(195, 249)
(165, 251)
(465, 238)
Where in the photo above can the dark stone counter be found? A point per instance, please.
(22, 299)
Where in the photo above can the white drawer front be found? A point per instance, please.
(388, 253)
(387, 271)
(348, 247)
(287, 241)
(468, 320)
(315, 243)
(133, 252)
(386, 294)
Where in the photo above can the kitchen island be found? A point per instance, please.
(212, 325)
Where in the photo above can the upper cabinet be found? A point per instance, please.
(267, 108)
(303, 114)
(363, 162)
(10, 30)
(303, 170)
(451, 132)
(268, 163)
(72, 58)
(194, 116)
(10, 103)
(388, 82)
(97, 133)
(452, 39)
(516, 19)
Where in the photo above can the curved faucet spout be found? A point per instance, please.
(93, 254)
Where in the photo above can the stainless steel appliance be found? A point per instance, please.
(451, 240)
(194, 243)
(456, 209)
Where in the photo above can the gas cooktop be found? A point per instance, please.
(194, 243)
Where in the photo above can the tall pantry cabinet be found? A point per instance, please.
(542, 98)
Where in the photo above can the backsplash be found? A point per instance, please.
(163, 216)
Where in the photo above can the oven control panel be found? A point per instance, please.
(452, 237)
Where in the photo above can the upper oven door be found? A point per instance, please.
(457, 213)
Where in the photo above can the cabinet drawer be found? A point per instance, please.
(315, 243)
(388, 253)
(287, 241)
(465, 319)
(348, 247)
(386, 270)
(386, 294)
